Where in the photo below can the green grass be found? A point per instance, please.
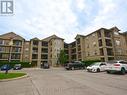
(11, 75)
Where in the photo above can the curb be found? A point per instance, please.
(5, 80)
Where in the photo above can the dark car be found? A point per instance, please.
(5, 67)
(45, 66)
(17, 67)
(75, 65)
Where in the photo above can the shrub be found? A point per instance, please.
(89, 62)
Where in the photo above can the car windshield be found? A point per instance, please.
(95, 64)
(112, 62)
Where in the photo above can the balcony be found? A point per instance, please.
(44, 56)
(110, 51)
(35, 43)
(101, 52)
(35, 50)
(73, 57)
(108, 42)
(66, 51)
(79, 48)
(107, 34)
(1, 42)
(78, 41)
(4, 56)
(16, 50)
(45, 44)
(65, 45)
(17, 43)
(73, 51)
(73, 45)
(99, 34)
(100, 42)
(15, 56)
(34, 56)
(44, 50)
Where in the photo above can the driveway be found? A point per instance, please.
(58, 81)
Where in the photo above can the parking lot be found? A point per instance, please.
(58, 81)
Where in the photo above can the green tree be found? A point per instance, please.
(62, 57)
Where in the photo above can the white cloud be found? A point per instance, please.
(43, 18)
(107, 16)
(55, 17)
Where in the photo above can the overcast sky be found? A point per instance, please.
(65, 18)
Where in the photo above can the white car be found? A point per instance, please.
(117, 66)
(97, 67)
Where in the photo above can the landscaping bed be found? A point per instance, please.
(11, 75)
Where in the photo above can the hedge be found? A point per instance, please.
(89, 62)
(12, 63)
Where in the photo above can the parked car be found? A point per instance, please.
(117, 66)
(17, 67)
(75, 65)
(45, 66)
(97, 67)
(5, 67)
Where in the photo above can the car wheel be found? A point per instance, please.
(98, 70)
(123, 71)
(72, 68)
(83, 67)
(108, 72)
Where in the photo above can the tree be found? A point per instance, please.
(62, 57)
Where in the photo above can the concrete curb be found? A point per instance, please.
(5, 80)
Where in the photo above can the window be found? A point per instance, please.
(108, 42)
(1, 42)
(116, 33)
(100, 42)
(119, 51)
(87, 38)
(88, 54)
(17, 42)
(1, 49)
(78, 41)
(123, 62)
(107, 34)
(94, 44)
(95, 52)
(99, 34)
(26, 49)
(110, 51)
(93, 34)
(101, 52)
(44, 43)
(117, 42)
(35, 43)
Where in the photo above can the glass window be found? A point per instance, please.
(1, 48)
(1, 42)
(117, 42)
(116, 33)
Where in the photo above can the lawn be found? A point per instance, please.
(11, 75)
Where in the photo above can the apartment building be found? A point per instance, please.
(15, 48)
(11, 47)
(46, 50)
(102, 44)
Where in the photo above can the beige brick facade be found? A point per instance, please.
(103, 44)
